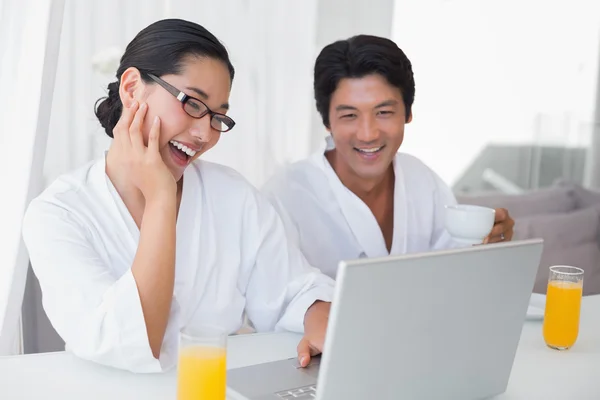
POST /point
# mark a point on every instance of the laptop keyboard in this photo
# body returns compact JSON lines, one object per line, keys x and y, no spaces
{"x":303,"y":393}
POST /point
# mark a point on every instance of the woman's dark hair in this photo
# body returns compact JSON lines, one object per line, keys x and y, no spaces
{"x":160,"y":49}
{"x":358,"y":57}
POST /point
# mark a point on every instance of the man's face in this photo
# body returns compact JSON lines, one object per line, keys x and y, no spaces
{"x":367,"y":118}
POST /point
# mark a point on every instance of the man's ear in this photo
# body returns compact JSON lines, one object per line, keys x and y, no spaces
{"x":328,"y":125}
{"x":409,"y":119}
{"x":131,"y":83}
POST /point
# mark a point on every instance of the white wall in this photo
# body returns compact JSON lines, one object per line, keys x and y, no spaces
{"x":494,"y":72}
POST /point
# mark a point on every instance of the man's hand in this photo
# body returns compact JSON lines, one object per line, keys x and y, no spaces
{"x":503,"y":227}
{"x":315,"y":327}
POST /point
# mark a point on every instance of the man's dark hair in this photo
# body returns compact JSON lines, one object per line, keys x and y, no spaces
{"x":358,"y":57}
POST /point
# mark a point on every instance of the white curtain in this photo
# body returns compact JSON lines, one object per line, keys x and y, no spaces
{"x":94,"y":34}
{"x":272,"y":46}
{"x":29,"y":41}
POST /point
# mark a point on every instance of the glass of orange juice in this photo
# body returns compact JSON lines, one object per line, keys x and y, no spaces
{"x":563,"y":304}
{"x":201,"y":370}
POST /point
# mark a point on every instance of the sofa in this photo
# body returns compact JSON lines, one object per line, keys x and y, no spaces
{"x":566,"y":216}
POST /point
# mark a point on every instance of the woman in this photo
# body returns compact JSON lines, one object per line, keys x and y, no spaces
{"x":147,"y":240}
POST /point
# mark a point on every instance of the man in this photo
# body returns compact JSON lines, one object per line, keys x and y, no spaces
{"x":359,"y":197}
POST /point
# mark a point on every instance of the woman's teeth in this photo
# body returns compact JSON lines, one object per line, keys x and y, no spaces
{"x":183,"y":148}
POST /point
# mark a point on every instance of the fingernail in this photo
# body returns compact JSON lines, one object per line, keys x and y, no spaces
{"x":156,"y":119}
{"x":302,"y":361}
{"x":133,"y":104}
{"x":143,"y":106}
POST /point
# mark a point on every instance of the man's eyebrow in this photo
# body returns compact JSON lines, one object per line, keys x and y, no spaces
{"x":344,"y":107}
{"x":387,"y":103}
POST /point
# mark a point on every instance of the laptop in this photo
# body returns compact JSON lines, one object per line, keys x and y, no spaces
{"x":436,"y":325}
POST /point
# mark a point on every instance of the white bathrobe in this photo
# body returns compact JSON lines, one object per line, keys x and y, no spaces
{"x":231,"y":256}
{"x":330,"y":223}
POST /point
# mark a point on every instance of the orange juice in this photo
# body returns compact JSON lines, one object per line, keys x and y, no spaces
{"x":561,"y":318}
{"x":201,"y":373}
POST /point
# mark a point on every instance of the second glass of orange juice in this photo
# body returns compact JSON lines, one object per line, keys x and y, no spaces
{"x":563,"y":304}
{"x":202,"y":366}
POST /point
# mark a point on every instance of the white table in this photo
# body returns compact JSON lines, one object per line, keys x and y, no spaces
{"x":538,"y":372}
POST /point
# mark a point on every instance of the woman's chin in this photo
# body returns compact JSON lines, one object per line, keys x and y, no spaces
{"x":177,"y":175}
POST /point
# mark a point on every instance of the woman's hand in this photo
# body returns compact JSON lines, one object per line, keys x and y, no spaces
{"x":144,"y":164}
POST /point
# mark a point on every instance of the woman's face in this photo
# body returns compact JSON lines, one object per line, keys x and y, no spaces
{"x":206,"y":79}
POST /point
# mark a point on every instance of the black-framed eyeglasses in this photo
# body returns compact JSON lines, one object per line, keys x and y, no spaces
{"x":196,"y":108}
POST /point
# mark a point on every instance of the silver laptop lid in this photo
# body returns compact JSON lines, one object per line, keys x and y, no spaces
{"x":440,"y":325}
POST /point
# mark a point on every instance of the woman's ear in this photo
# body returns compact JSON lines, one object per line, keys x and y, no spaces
{"x":131,"y":85}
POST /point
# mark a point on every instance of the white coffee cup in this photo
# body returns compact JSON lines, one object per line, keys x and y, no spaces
{"x":469,"y":224}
